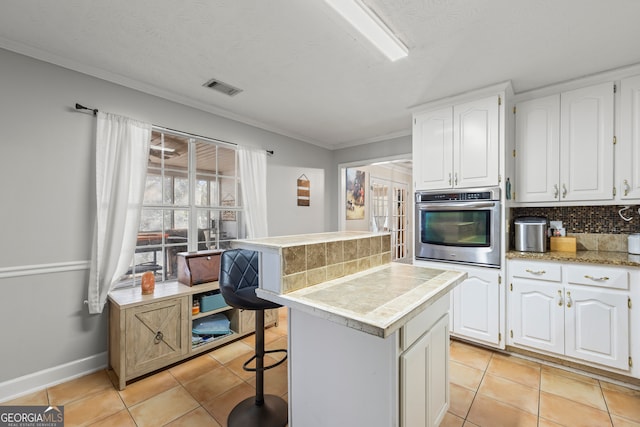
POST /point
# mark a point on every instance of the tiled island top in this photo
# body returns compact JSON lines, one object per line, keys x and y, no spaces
{"x":377,"y":301}
{"x":347,"y":278}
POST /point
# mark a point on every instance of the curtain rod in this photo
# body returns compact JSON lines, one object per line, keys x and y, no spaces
{"x":95,"y":112}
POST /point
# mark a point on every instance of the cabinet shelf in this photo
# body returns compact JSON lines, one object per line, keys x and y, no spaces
{"x":209,"y":313}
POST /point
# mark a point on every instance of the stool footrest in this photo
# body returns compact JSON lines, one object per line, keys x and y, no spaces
{"x":245,"y":366}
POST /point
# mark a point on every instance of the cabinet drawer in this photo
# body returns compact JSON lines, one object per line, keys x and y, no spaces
{"x":536,"y":270}
{"x":591,"y":275}
{"x":420,"y":324}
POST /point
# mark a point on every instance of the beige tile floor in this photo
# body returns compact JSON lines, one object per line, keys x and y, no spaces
{"x":488,"y":389}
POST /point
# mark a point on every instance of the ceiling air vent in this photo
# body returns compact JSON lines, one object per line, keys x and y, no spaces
{"x":222,"y":87}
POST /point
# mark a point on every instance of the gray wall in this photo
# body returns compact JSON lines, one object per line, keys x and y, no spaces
{"x":47,"y":193}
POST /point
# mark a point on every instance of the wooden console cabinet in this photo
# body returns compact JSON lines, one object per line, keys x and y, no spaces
{"x":149,"y":332}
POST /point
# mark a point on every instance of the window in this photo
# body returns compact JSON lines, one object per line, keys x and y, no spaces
{"x":191,"y":202}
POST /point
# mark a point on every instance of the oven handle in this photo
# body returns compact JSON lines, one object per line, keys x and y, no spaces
{"x":455,"y":206}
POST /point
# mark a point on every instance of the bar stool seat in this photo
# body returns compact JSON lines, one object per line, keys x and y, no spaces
{"x":239,"y":280}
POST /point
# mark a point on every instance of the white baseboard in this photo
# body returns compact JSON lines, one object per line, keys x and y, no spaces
{"x":30,"y":383}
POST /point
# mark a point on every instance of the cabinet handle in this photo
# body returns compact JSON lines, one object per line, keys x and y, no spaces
{"x":537,"y":273}
{"x":597,"y":279}
{"x":449,"y":178}
{"x":158,"y":337}
{"x":455,"y":181}
{"x":569,"y":302}
{"x":560,"y":302}
{"x":555,"y":191}
{"x":626,"y":187}
{"x":564,"y":191}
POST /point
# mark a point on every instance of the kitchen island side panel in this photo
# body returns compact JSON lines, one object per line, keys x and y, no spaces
{"x":340,"y":376}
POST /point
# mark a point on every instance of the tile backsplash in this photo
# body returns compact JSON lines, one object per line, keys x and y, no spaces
{"x":307,"y":265}
{"x":596,"y":228}
{"x":586,"y":219}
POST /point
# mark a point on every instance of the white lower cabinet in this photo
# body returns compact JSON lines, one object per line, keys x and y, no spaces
{"x":477,"y":308}
{"x":424,"y":377}
{"x":580,"y":312}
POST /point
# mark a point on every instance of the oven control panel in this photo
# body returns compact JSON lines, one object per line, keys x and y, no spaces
{"x":483,"y":194}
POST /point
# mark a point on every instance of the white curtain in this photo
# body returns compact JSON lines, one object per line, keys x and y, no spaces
{"x":122,"y":150}
{"x":253,"y":178}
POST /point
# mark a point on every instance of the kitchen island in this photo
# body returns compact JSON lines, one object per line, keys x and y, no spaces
{"x":368,"y":338}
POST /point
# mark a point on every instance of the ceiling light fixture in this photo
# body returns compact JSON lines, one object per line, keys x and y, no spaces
{"x":371,"y":26}
{"x":163,"y":149}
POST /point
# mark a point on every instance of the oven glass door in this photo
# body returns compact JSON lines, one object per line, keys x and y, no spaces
{"x":456,"y":228}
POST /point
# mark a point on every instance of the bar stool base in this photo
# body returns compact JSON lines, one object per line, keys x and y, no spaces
{"x":274,"y":412}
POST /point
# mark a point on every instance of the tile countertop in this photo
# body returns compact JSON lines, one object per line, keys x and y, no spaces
{"x":377,"y":301}
{"x":586,"y":257}
{"x":306,"y":239}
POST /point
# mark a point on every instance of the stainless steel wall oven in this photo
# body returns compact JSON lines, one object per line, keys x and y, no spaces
{"x":461,"y":226}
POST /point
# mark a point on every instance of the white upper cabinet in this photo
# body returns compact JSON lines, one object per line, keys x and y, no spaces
{"x":476,"y":143}
{"x":432,"y":149}
{"x":586,"y":147}
{"x":458,"y":146}
{"x":538,"y":149}
{"x":628,"y":144}
{"x":564,"y":146}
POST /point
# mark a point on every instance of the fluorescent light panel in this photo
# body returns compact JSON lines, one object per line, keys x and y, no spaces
{"x":371,"y":26}
{"x":163,"y":149}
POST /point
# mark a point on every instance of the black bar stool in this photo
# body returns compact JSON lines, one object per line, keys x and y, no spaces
{"x":238,"y":283}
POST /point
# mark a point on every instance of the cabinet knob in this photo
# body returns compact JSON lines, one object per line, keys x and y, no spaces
{"x":159,"y":336}
{"x":569,"y":302}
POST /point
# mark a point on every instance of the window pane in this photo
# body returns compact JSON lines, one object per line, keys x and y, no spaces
{"x":206,"y":158}
{"x":202,"y":192}
{"x":181,"y":190}
{"x":228,"y":193}
{"x":150,"y":220}
{"x":153,"y":189}
{"x":226,"y":161}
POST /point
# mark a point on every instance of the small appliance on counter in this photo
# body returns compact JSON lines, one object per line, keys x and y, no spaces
{"x":531,"y":234}
{"x":633,"y":242}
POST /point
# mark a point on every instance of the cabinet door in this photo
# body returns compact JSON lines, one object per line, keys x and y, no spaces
{"x":538,"y":150}
{"x":156,"y":335}
{"x":536,"y":317}
{"x":432,"y":149}
{"x":586,"y":147}
{"x":597,"y":326}
{"x":425,"y":378}
{"x":628,"y":144}
{"x":476,"y":307}
{"x":476,"y":143}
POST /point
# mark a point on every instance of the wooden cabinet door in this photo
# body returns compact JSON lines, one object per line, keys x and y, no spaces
{"x":537,"y":315}
{"x":586,"y":143}
{"x":597,"y":326}
{"x":424,"y":372}
{"x":476,"y":143}
{"x":538,"y":150}
{"x":156,"y":335}
{"x":476,"y":307}
{"x":432,"y":149}
{"x":628,"y":140}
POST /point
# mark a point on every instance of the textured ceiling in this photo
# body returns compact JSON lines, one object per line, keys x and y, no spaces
{"x":304,"y":72}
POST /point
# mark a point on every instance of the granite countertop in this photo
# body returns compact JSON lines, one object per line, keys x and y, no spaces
{"x":377,"y":301}
{"x":586,"y":257}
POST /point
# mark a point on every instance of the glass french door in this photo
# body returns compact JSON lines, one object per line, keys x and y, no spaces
{"x":389,"y":213}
